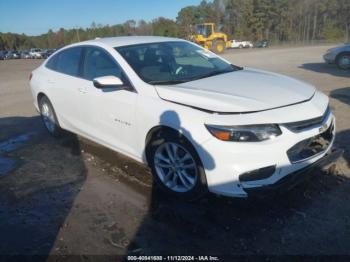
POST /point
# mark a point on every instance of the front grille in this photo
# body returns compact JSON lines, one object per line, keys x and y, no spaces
{"x":310,"y":123}
{"x":311,"y":147}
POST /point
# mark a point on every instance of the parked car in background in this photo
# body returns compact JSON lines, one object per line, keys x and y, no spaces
{"x":8,"y":55}
{"x":25,"y":54}
{"x":198,"y":121}
{"x":44,"y":53}
{"x":338,"y":55}
{"x":3,"y":55}
{"x":36,"y":53}
{"x":262,"y":44}
{"x":12,"y":55}
{"x":240,"y":44}
{"x":248,"y":44}
{"x":48,"y":52}
{"x":16,"y":55}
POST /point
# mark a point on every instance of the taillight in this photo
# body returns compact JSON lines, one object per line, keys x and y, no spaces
{"x":30,"y":76}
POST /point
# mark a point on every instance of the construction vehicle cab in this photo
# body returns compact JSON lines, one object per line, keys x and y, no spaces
{"x":206,"y":36}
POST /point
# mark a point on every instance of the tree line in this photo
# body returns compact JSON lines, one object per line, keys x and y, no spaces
{"x":275,"y":20}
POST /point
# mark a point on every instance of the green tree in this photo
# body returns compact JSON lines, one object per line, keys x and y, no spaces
{"x":276,"y":20}
{"x":164,"y":27}
{"x":186,"y":18}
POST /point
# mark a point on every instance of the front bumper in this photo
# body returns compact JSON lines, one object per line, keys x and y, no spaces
{"x":329,"y":58}
{"x":232,"y":159}
{"x":295,"y":178}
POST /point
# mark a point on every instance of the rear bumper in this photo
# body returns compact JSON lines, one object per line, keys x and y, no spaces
{"x":293,"y":179}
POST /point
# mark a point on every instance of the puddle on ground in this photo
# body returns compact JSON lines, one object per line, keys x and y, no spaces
{"x":125,"y":169}
{"x":14,"y":143}
{"x":7,"y":165}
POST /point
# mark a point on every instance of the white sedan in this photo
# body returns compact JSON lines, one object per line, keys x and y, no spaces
{"x":198,"y":121}
{"x":241,"y":44}
{"x":339,"y":55}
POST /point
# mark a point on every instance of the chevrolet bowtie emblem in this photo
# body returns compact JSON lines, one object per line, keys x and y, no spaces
{"x":323,"y":128}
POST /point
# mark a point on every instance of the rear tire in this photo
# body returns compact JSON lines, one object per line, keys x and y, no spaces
{"x":219,"y":46}
{"x":343,"y":61}
{"x":175,"y":165}
{"x":49,"y":117}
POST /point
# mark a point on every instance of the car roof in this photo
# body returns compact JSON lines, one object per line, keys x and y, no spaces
{"x":129,"y":40}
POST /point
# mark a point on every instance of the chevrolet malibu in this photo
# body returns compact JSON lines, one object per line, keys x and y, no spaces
{"x":199,"y":122}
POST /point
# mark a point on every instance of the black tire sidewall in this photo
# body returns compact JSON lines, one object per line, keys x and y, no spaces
{"x":338,"y":59}
{"x":201,"y":185}
{"x":217,"y":42}
{"x":57,"y":129}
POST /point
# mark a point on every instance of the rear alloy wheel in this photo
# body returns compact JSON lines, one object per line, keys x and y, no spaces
{"x":343,"y":61}
{"x":176,"y":167}
{"x":49,"y":118}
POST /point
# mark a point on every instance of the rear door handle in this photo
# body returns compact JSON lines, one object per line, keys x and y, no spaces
{"x":50,"y":81}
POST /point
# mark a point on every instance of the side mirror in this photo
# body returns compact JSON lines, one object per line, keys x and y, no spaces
{"x":108,"y":82}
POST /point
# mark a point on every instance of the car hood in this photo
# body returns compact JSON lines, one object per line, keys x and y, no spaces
{"x":247,"y":90}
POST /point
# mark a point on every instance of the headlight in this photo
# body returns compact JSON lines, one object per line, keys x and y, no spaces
{"x":248,"y":133}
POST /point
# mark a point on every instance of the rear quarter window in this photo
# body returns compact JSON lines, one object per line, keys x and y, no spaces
{"x":52,"y":62}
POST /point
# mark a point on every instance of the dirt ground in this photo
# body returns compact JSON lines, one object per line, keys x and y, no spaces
{"x":72,"y":197}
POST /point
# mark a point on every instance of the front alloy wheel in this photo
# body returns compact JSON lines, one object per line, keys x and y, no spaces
{"x":175,"y":167}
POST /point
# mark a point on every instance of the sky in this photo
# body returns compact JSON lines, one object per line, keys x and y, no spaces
{"x":34,"y":17}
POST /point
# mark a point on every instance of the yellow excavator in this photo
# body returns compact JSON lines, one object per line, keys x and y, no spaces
{"x":206,"y":36}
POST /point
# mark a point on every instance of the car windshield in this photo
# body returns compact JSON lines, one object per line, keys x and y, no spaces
{"x":173,"y":62}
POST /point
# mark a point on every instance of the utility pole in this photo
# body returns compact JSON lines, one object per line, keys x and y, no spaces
{"x":77,"y":32}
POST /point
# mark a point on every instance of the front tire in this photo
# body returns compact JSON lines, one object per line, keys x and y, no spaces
{"x":49,"y":117}
{"x":343,"y":61}
{"x":175,"y":166}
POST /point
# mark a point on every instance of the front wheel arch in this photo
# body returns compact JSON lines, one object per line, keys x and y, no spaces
{"x":155,"y":138}
{"x":153,"y":132}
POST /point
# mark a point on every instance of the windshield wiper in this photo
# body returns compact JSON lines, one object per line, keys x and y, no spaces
{"x":236,"y":68}
{"x":167,"y":82}
{"x":214,"y":73}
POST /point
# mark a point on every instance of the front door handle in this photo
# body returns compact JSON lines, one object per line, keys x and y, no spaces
{"x":82,"y":90}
